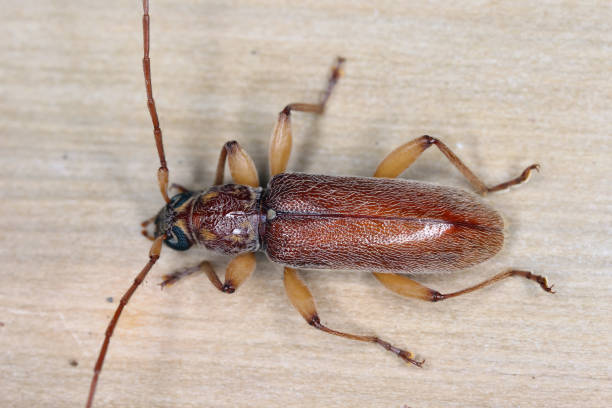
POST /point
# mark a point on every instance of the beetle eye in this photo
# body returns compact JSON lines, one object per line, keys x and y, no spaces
{"x":179,"y":199}
{"x":177,"y":239}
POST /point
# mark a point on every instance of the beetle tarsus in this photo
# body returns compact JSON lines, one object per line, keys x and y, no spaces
{"x":413,"y":361}
{"x":168,"y":280}
{"x":542,"y":281}
{"x":405,"y":355}
{"x":337,"y":71}
{"x":527,"y":172}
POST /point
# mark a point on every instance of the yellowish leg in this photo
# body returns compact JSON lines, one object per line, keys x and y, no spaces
{"x":407,"y":287}
{"x":240,"y":164}
{"x":399,"y":160}
{"x":237,"y":272}
{"x":181,"y":189}
{"x":302,"y":300}
{"x":281,"y":140}
{"x":239,"y":269}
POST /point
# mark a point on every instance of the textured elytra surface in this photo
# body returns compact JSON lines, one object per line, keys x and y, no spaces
{"x":505,"y":84}
{"x":377,"y":224}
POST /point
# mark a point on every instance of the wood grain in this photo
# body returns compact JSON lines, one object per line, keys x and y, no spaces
{"x":503,"y":83}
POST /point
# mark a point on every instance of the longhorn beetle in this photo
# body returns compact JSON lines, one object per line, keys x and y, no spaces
{"x":379,"y":224}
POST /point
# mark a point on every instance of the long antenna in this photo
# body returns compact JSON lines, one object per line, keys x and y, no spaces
{"x":162,"y":173}
{"x":162,"y":178}
{"x":153,"y":257}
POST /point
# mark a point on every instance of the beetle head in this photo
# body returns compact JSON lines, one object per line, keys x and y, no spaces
{"x":172,"y":221}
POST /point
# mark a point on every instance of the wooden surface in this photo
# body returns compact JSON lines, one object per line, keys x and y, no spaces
{"x":504,"y":84}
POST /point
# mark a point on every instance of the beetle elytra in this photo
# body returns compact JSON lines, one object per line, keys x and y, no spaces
{"x":379,"y":224}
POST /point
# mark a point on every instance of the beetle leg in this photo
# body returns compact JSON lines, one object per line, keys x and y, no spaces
{"x":395,"y":163}
{"x":302,"y":300}
{"x":281,"y":140}
{"x":238,"y":270}
{"x":407,"y":287}
{"x":241,"y":165}
{"x":178,"y":188}
{"x":401,"y":158}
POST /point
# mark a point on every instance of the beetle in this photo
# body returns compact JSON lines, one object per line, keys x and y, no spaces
{"x":381,"y":224}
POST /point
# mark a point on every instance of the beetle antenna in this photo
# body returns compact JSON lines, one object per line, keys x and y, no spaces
{"x":162,"y":173}
{"x":153,"y":257}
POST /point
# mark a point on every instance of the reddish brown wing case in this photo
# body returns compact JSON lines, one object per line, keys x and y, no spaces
{"x":325,"y":222}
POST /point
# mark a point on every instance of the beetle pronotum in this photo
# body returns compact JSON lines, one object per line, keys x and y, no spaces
{"x":380,"y":224}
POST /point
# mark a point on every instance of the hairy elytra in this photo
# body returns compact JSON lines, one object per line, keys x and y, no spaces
{"x":381,"y":225}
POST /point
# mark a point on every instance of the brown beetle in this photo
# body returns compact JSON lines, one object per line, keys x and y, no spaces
{"x":383,"y":225}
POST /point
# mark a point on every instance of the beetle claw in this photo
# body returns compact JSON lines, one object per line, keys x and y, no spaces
{"x":168,"y":280}
{"x":409,"y":358}
{"x":544,"y":285}
{"x":417,"y":363}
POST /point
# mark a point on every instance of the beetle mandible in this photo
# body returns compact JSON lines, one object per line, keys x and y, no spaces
{"x":379,"y":224}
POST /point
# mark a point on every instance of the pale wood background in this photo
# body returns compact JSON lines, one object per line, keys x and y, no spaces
{"x":503,"y":83}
